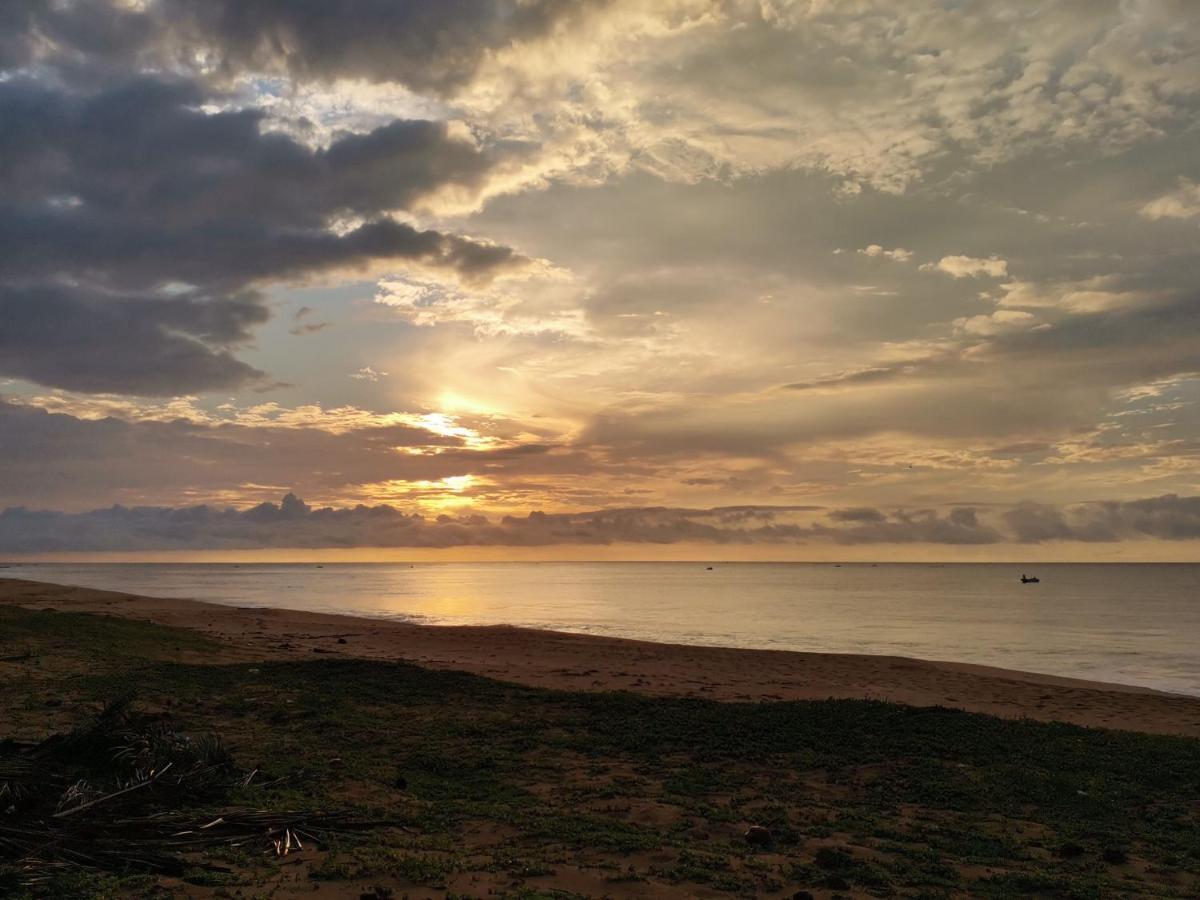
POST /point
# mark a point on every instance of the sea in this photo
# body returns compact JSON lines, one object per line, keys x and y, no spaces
{"x":1133,"y":624}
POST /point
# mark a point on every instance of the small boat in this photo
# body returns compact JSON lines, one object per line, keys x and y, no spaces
{"x":1027,"y":580}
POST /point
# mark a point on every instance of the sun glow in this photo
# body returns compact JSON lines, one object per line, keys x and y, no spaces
{"x":440,"y":495}
{"x":457,"y":483}
{"x":456,"y":403}
{"x":446,"y":425}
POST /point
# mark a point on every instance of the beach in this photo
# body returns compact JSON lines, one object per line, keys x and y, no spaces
{"x":1122,"y":624}
{"x":171,"y":748}
{"x":590,"y":663}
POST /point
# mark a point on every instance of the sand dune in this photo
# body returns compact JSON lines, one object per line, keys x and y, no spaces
{"x":589,"y":663}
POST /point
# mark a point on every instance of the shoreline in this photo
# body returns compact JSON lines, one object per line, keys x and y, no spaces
{"x":582,"y":662}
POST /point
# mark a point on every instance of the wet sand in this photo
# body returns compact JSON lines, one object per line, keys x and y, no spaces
{"x":589,"y":663}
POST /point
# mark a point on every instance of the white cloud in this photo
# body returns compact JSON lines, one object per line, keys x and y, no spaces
{"x":898,"y":254}
{"x":968,"y":266}
{"x":335,"y":420}
{"x":1002,"y":321}
{"x":541,"y":302}
{"x":1100,"y":293}
{"x":873,"y":92}
{"x":1181,"y":203}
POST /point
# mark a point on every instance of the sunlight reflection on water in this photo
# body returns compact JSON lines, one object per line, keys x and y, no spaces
{"x":1135,"y":624}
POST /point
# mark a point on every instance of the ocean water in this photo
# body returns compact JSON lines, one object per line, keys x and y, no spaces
{"x":1132,"y":624}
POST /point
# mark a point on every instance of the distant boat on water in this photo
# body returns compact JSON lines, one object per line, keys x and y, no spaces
{"x":1025,"y":579}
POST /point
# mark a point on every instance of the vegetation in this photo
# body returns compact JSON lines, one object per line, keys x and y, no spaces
{"x":490,"y":789}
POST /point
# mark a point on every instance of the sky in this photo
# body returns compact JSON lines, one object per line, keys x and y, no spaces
{"x":748,"y":279}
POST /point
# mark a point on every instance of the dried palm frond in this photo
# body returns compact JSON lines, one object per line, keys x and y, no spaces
{"x":107,"y":796}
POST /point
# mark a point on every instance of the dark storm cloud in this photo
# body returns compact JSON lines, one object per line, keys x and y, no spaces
{"x":132,"y":188}
{"x":100,"y":342}
{"x":226,"y":254}
{"x":428,"y":46}
{"x":142,"y":150}
{"x":1035,"y":523}
{"x":870,"y":526}
{"x":295,"y":524}
{"x":73,"y":32}
{"x":1169,"y":517}
{"x":16,"y":27}
{"x":143,"y":147}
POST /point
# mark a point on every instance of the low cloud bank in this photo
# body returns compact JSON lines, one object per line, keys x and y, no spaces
{"x":294,"y":524}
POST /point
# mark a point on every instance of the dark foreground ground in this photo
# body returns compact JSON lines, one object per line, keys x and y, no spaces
{"x":397,"y":781}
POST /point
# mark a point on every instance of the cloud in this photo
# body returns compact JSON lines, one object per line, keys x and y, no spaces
{"x":691,"y":89}
{"x":1098,"y":294}
{"x":864,"y":376}
{"x":366,"y":373}
{"x":427,"y":46}
{"x":969,"y":267}
{"x":999,"y":322}
{"x":961,"y":525}
{"x":898,"y":254}
{"x":876,"y":93}
{"x":1169,"y":517}
{"x":292,"y":523}
{"x":136,"y":227}
{"x":149,"y":147}
{"x":76,"y":450}
{"x":695,"y":89}
{"x":16,"y":31}
{"x":174,"y":171}
{"x":1013,"y":383}
{"x":535,"y":301}
{"x":309,"y":328}
{"x":98,"y":341}
{"x":1182,"y":203}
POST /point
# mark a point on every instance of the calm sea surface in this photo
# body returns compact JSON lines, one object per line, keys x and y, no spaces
{"x":1135,"y":624}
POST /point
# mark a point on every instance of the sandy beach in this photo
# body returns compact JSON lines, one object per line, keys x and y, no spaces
{"x":589,"y":663}
{"x":167,"y":747}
